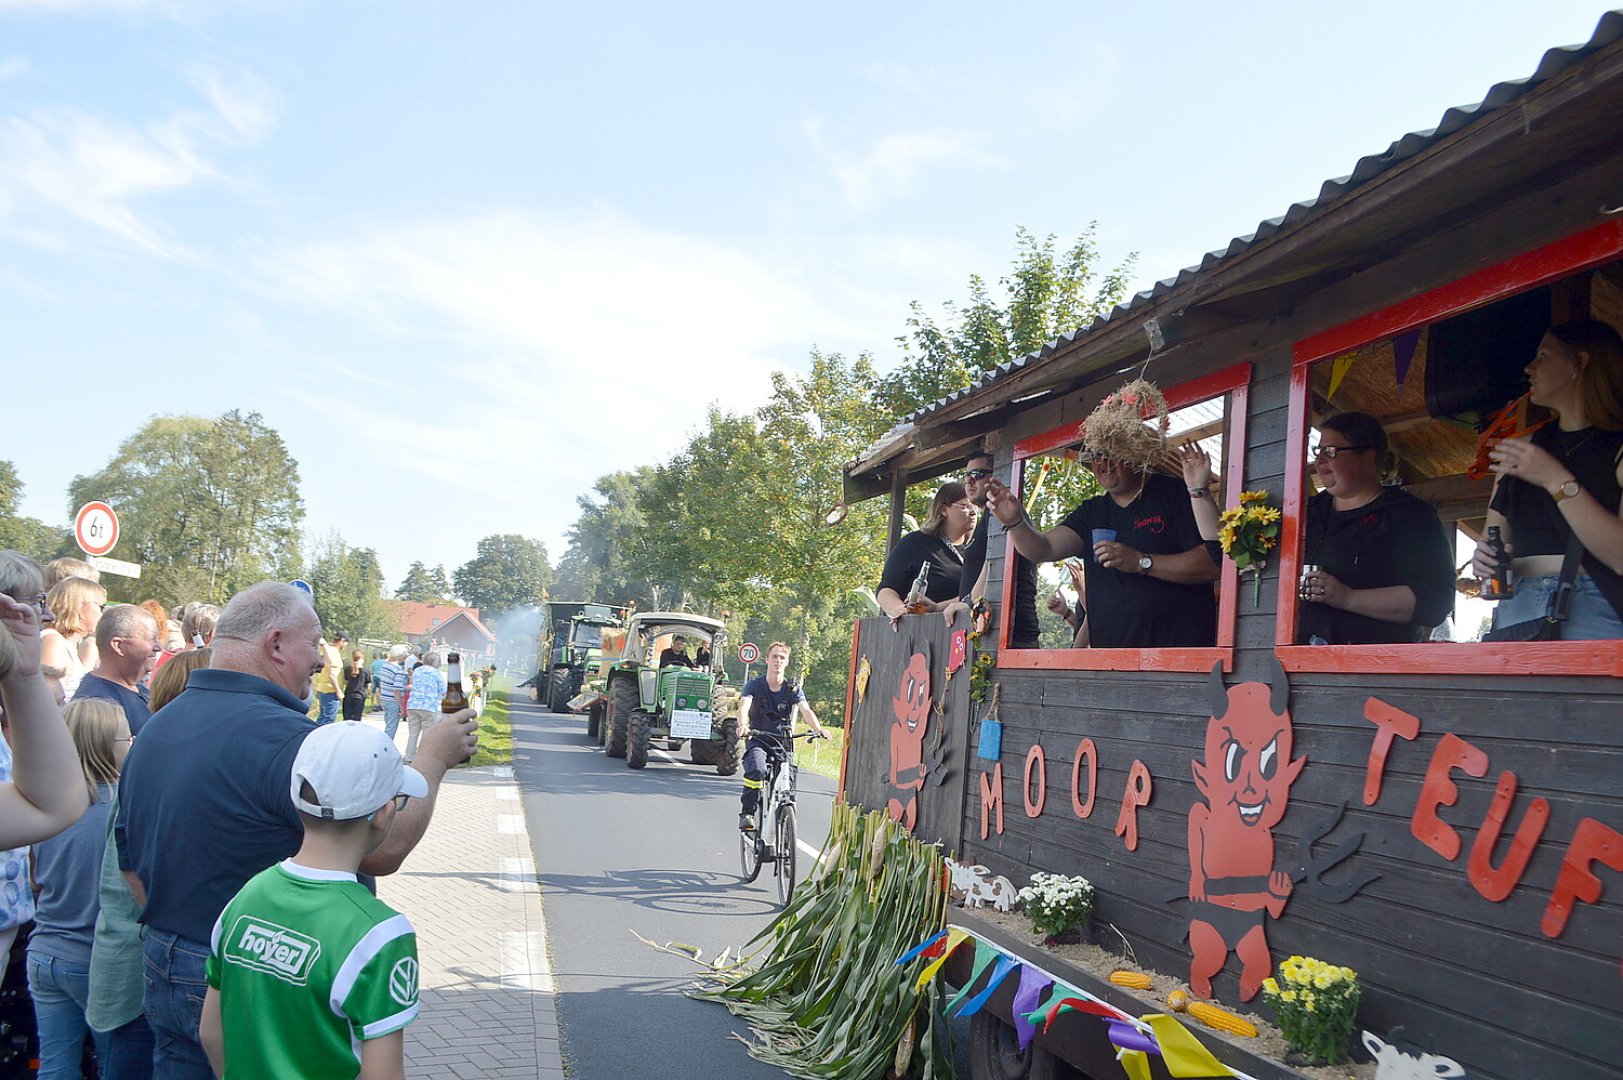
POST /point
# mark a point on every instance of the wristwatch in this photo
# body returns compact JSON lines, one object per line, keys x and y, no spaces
{"x":1144,"y":564}
{"x":1566,"y":490}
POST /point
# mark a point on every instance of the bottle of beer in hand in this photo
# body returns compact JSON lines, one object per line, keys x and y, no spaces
{"x":917,"y":600}
{"x":1500,"y":586}
{"x":455,"y":700}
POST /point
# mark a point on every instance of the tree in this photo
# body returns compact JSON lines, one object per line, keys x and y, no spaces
{"x":28,"y":535}
{"x":348,"y":587}
{"x":425,"y":586}
{"x":509,"y":571}
{"x":606,"y":558}
{"x":1047,"y":294}
{"x":206,"y":506}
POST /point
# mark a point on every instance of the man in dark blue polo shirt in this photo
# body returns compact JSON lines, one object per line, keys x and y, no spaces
{"x":127,"y":646}
{"x":204,"y":803}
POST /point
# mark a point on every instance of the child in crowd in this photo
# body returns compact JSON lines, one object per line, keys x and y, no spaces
{"x":67,"y":870}
{"x":310,"y":974}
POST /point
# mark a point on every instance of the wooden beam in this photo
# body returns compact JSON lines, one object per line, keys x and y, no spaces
{"x":898,"y":503}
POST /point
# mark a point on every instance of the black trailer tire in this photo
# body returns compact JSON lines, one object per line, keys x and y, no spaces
{"x":730,"y":752}
{"x":622,"y":703}
{"x":558,"y":694}
{"x":994,"y":1054}
{"x":703,"y":751}
{"x":638,"y":741}
{"x":594,"y":722}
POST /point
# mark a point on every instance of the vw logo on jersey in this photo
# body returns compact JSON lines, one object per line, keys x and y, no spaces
{"x":403,"y":980}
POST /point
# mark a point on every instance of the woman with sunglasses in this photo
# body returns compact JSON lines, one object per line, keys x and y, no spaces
{"x":1382,"y":569}
{"x":1567,"y":478}
{"x":937,"y":547}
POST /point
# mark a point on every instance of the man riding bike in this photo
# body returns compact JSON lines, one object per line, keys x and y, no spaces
{"x":768,"y":706}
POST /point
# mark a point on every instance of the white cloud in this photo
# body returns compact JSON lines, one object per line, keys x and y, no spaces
{"x":891,"y":164}
{"x":67,"y":165}
{"x":13,"y":66}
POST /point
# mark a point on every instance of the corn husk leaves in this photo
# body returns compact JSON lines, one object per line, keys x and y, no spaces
{"x":828,"y":1000}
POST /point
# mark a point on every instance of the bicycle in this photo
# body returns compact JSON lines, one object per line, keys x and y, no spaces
{"x":776,"y":805}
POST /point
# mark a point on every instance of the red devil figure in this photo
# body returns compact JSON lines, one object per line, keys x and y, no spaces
{"x":1246,"y":779}
{"x":912,"y":708}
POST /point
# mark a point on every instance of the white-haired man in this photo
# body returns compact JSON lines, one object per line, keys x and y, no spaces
{"x":204,"y":802}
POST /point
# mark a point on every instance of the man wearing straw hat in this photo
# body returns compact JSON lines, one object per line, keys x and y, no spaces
{"x":1148,"y":575}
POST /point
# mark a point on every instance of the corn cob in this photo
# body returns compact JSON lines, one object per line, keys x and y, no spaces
{"x":1137,"y":980}
{"x":1178,"y":1000}
{"x":1220,"y":1019}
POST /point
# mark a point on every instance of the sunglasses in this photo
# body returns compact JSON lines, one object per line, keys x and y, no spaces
{"x":1331,"y":452}
{"x":977,"y":474}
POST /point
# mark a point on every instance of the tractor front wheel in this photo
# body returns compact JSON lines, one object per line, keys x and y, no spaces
{"x":594,"y":723}
{"x":558,"y":694}
{"x":729,"y":751}
{"x":639,"y":739}
{"x":623,"y":702}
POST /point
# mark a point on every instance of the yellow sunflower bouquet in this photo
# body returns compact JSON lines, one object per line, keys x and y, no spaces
{"x":1248,"y":532}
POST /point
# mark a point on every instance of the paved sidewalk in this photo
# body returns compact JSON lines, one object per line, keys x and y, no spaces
{"x":470,"y":890}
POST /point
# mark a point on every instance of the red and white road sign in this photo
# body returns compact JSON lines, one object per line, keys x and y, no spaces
{"x":749,"y":652}
{"x":95,"y":527}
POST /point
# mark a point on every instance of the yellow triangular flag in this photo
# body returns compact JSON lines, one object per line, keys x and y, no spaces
{"x":954,"y":936}
{"x":1182,"y":1053}
{"x":1135,"y":1063}
{"x":1338,"y":371}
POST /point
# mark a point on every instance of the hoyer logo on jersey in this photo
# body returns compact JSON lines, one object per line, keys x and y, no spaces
{"x":275,"y":950}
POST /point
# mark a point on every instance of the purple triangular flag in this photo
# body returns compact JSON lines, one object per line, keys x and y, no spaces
{"x":1403,"y":348}
{"x":1032,"y":985}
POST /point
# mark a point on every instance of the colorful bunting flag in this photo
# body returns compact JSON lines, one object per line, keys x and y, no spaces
{"x":1338,"y":371}
{"x":933,"y":946}
{"x":954,"y":937}
{"x":1033,"y":983}
{"x":1181,"y":1051}
{"x":1136,"y":1063}
{"x":1403,"y":350}
{"x":1005,"y":964}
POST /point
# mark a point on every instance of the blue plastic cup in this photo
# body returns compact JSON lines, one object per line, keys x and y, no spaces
{"x":1101,"y":535}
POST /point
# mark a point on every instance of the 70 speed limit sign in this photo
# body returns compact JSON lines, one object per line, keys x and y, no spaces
{"x":749,"y":652}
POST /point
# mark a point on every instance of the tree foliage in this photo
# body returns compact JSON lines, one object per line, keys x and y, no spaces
{"x":206,"y":506}
{"x":28,"y":535}
{"x":348,"y":587}
{"x":509,"y":571}
{"x":425,"y":586}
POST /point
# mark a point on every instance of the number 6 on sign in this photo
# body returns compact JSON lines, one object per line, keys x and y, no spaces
{"x":95,"y":527}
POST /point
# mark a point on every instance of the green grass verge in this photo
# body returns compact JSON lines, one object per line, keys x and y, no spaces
{"x":822,"y":756}
{"x":495,"y":728}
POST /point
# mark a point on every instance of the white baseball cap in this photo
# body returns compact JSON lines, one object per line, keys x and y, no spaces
{"x":353,"y":770}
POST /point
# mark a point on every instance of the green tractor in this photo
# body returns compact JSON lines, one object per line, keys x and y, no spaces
{"x":571,"y":638}
{"x":639,"y":703}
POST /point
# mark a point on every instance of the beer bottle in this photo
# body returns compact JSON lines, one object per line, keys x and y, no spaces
{"x":917,"y":600}
{"x":455,"y":700}
{"x":1500,"y":586}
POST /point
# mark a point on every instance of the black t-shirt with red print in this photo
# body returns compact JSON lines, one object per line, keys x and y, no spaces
{"x":1128,"y":609}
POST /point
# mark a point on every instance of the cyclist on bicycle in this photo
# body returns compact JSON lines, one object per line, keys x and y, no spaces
{"x":768,"y":707}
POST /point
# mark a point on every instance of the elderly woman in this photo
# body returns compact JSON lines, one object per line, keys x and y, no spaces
{"x":392,"y":688}
{"x":425,"y":686}
{"x":1567,"y":478}
{"x":77,"y":604}
{"x":1384,"y":568}
{"x":937,"y":547}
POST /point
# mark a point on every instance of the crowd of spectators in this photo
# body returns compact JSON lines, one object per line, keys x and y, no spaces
{"x":147,"y":774}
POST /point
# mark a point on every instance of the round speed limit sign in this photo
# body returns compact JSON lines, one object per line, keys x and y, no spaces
{"x":749,"y":652}
{"x":95,"y":527}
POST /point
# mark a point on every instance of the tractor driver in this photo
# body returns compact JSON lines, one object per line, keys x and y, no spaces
{"x":768,"y":707}
{"x":677,"y":654}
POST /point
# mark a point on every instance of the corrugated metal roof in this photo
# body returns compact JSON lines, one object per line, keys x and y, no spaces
{"x":1501,"y":95}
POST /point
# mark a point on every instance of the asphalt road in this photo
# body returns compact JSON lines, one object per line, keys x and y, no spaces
{"x":655,"y":852}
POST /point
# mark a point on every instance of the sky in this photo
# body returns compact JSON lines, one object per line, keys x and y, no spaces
{"x":467,"y":258}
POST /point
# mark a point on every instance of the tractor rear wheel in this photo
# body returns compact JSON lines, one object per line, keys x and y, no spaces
{"x":729,"y":752}
{"x":638,"y":741}
{"x":558,"y":694}
{"x":622,"y":703}
{"x":703,"y":751}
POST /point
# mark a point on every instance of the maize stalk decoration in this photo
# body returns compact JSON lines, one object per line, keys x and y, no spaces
{"x":828,"y":1000}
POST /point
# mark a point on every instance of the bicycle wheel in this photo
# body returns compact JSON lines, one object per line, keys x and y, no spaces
{"x":749,"y":847}
{"x":786,"y":854}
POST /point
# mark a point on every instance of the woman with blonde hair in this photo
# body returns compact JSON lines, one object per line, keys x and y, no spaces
{"x":356,"y":680}
{"x":67,"y":874}
{"x":77,"y":605}
{"x":169,"y":680}
{"x":937,"y":548}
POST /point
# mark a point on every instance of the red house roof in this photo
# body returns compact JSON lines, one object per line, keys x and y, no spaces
{"x":416,"y":619}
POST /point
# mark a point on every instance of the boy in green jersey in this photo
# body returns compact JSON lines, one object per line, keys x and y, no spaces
{"x":310,"y":975}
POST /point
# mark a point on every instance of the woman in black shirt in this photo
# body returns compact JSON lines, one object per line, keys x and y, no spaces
{"x":1566,"y":478}
{"x":938,"y":544}
{"x":1385,"y":568}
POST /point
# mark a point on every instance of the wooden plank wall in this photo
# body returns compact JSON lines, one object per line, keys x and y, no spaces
{"x":874,"y":726}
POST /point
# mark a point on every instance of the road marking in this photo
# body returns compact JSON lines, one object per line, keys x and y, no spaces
{"x":510,"y":824}
{"x":502,"y":772}
{"x":663,"y":754}
{"x":507,"y":793}
{"x":518,"y":875}
{"x":524,"y":961}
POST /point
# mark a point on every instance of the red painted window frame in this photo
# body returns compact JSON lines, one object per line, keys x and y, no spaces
{"x":1574,"y":254}
{"x":1233,"y":381}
